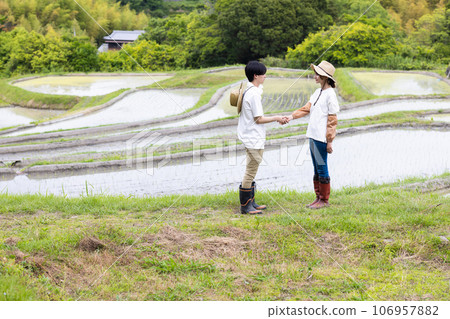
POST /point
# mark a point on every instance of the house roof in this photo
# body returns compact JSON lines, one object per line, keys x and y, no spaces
{"x":119,"y":35}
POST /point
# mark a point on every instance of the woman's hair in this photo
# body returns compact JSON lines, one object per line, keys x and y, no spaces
{"x":254,"y":68}
{"x":329,"y":81}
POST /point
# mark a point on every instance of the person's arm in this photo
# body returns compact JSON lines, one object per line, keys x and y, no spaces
{"x":269,"y":119}
{"x":301,"y":112}
{"x":331,"y":131}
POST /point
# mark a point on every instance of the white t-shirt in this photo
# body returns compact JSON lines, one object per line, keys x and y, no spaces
{"x":327,"y":104}
{"x":251,"y":134}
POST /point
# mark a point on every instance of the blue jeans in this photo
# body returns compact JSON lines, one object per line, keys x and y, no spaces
{"x":319,"y":157}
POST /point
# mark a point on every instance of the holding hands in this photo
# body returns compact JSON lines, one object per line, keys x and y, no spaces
{"x":284,"y":119}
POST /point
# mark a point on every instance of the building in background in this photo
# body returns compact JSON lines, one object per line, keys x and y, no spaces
{"x":118,"y":38}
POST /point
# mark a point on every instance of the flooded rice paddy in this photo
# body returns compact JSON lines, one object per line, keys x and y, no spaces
{"x":382,"y":83}
{"x":377,"y":157}
{"x":439,"y":118}
{"x":270,"y":72}
{"x":88,"y":85}
{"x":279,"y":95}
{"x":230,"y":130}
{"x":221,"y":111}
{"x":15,"y":115}
{"x":135,"y":107}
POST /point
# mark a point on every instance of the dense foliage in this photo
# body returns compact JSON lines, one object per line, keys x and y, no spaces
{"x":90,"y":18}
{"x":30,"y":52}
{"x":374,"y":42}
{"x":359,"y":45}
{"x":60,"y":35}
{"x":253,"y":29}
{"x":161,"y":8}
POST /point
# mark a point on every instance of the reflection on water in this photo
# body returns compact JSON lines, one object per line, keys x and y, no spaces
{"x":15,"y":115}
{"x":380,"y":83}
{"x":87,"y":85}
{"x":378,"y":157}
{"x":138,"y":106}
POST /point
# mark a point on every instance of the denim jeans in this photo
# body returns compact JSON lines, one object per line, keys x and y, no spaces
{"x":319,"y":157}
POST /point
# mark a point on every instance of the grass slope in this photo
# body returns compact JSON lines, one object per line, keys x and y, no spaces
{"x":18,"y":96}
{"x":373,"y":243}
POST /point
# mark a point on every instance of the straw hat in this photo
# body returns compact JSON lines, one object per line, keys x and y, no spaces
{"x":325,"y":69}
{"x":236,"y":97}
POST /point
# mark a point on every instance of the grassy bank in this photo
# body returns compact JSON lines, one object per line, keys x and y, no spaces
{"x":374,"y":242}
{"x":350,"y":89}
{"x":3,"y":103}
{"x":197,"y":79}
{"x":18,"y":96}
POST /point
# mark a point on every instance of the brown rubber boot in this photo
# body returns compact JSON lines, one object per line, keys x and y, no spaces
{"x":245,"y":196}
{"x":316,"y":190}
{"x":324,"y":193}
{"x":256,"y":206}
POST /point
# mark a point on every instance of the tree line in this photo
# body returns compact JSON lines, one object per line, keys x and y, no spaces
{"x":48,"y":35}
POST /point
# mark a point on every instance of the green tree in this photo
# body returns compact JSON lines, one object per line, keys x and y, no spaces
{"x":196,"y":35}
{"x":203,"y":41}
{"x":143,"y":54}
{"x":433,"y":31}
{"x":82,"y":55}
{"x":102,"y":18}
{"x":144,"y":5}
{"x":359,"y":46}
{"x":253,"y":29}
{"x":30,"y":52}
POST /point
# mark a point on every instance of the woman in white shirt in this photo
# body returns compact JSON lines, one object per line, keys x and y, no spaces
{"x":322,"y":107}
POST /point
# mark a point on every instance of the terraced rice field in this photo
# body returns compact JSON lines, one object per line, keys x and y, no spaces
{"x":77,"y":156}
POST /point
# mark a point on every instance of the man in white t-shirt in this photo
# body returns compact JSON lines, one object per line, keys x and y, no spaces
{"x":252,"y":133}
{"x":322,"y":107}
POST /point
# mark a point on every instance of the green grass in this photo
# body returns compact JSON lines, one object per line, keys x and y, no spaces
{"x":18,"y":96}
{"x":197,"y":79}
{"x":181,"y":79}
{"x":201,"y":248}
{"x":3,"y":103}
{"x":90,"y":101}
{"x":349,"y":89}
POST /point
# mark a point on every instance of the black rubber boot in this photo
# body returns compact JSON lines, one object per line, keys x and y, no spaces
{"x":245,"y":196}
{"x":256,"y":206}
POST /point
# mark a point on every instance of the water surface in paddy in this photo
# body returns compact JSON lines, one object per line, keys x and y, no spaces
{"x":375,"y":109}
{"x":378,"y":157}
{"x":231,"y":130}
{"x":439,"y":118}
{"x":88,"y":85}
{"x":270,"y":72}
{"x":273,"y":100}
{"x":138,"y":106}
{"x":381,"y":83}
{"x":15,"y":115}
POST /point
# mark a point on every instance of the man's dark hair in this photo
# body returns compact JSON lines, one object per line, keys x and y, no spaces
{"x":254,"y":68}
